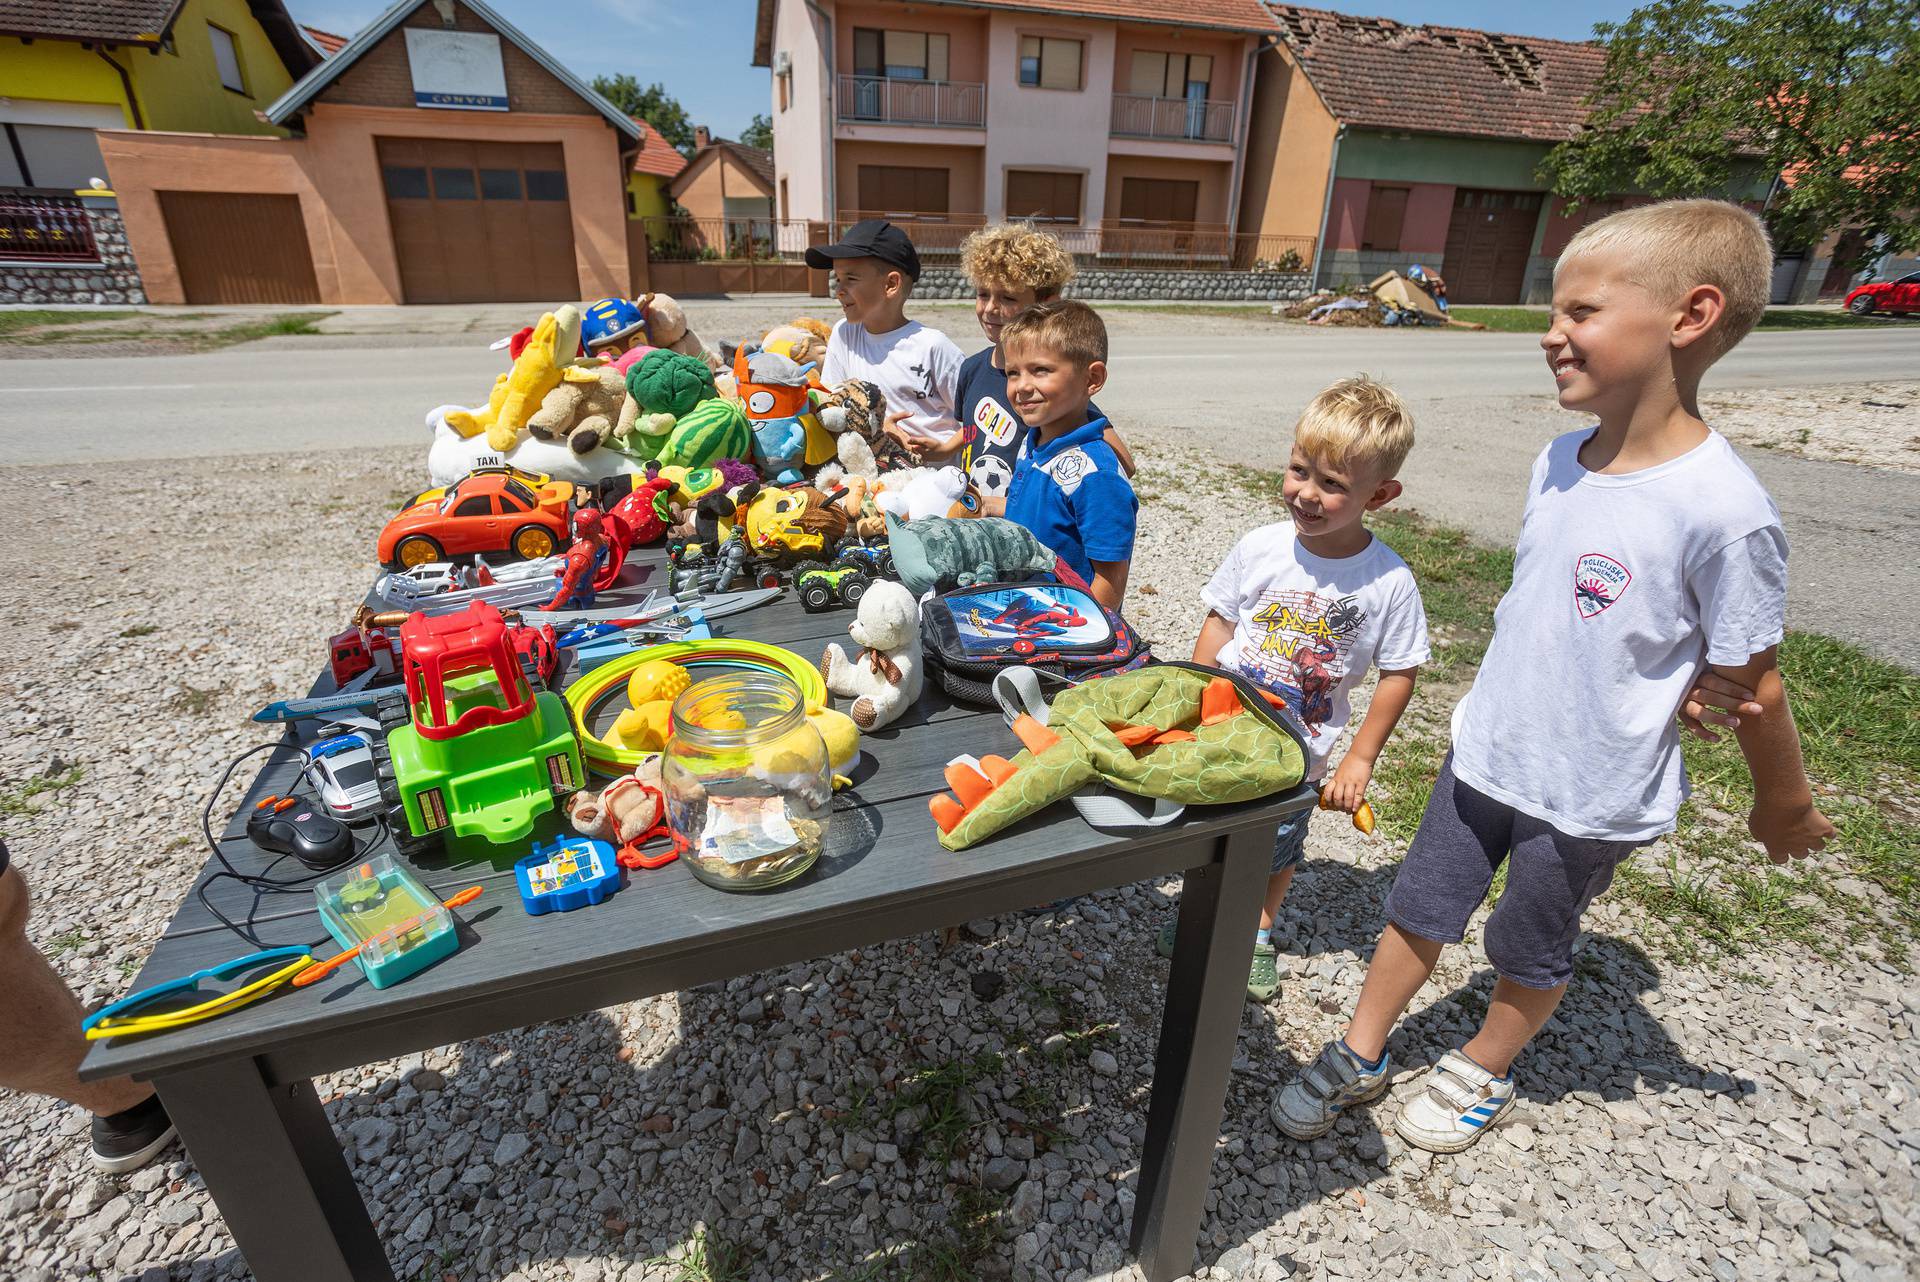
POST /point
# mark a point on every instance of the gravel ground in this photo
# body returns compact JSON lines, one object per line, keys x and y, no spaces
{"x":1875,"y":424}
{"x":1758,"y":1120}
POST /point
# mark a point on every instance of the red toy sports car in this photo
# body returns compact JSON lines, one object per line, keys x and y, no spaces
{"x":1901,"y":295}
{"x":488,"y":513}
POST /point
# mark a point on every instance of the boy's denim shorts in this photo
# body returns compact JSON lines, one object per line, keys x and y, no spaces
{"x":1290,"y":840}
{"x":1464,"y":837}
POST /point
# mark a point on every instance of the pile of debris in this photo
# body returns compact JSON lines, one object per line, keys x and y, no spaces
{"x":1390,"y":299}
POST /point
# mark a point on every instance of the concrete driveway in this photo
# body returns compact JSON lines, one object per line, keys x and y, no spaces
{"x":1230,"y":385}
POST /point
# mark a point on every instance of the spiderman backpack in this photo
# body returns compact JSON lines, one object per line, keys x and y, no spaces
{"x":1051,"y":624}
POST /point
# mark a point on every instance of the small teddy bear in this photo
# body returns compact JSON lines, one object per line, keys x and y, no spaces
{"x":582,"y":414}
{"x":626,"y":810}
{"x":884,"y":678}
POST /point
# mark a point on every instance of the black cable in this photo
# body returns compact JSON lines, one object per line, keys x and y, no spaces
{"x":262,"y":883}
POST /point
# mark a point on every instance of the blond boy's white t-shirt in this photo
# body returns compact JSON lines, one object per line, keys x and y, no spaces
{"x":1624,"y":588}
{"x":916,"y":368}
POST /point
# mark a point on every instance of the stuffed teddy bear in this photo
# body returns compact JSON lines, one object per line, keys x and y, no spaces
{"x":940,"y":552}
{"x":855,"y":414}
{"x":667,"y":327}
{"x":581,"y":414}
{"x":884,"y":678}
{"x":625,"y":810}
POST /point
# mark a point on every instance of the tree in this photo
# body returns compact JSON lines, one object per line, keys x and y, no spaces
{"x":653,"y":104}
{"x":1824,"y":95}
{"x":759,"y":133}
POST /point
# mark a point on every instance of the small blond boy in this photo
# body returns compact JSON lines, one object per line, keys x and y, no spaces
{"x":1304,"y":607}
{"x":1649,"y":551}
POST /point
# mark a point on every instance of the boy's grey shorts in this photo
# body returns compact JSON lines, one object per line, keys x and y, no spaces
{"x":1464,"y":837}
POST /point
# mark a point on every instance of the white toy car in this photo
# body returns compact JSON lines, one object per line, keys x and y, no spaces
{"x":341,"y":771}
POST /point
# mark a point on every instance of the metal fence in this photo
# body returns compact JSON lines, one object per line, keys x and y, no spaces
{"x":1115,"y":244}
{"x":883,"y":100}
{"x":42,"y":228}
{"x":706,"y":240}
{"x":1190,"y":119}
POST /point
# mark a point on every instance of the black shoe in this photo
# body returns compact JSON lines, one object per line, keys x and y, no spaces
{"x":128,"y":1140}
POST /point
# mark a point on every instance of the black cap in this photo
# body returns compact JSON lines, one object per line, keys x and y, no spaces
{"x":873,"y":238}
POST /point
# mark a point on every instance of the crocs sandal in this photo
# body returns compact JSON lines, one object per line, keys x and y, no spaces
{"x":1164,"y":941}
{"x":1263,"y":979}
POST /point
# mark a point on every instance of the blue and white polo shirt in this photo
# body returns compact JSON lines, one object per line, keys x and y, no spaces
{"x":1074,"y":496}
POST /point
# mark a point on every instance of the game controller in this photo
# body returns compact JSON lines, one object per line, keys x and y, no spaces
{"x":290,"y":826}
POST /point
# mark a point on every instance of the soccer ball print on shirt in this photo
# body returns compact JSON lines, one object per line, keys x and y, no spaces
{"x":1598,"y":581}
{"x":1302,"y":653}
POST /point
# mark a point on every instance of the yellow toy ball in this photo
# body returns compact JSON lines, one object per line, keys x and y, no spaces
{"x":660,"y":679}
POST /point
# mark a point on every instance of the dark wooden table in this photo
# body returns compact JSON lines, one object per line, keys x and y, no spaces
{"x":240,"y":1087}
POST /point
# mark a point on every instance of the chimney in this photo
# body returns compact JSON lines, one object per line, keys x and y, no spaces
{"x":701,"y":137}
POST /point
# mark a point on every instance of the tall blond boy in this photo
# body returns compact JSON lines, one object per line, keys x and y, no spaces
{"x":1648,"y":551}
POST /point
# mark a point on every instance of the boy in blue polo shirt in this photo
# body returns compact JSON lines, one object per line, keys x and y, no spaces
{"x":1068,"y":487}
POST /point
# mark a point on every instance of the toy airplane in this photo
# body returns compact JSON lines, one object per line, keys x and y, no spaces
{"x":404,"y":592}
{"x":604,"y":643}
{"x":715,"y":605}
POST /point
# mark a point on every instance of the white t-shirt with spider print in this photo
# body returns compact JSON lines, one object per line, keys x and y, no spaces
{"x":1307,"y":627}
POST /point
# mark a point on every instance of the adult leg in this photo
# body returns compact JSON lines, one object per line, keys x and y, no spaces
{"x":41,"y":1044}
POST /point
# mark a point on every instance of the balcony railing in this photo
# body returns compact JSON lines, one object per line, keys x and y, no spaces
{"x":706,"y":240}
{"x":883,"y":100}
{"x":37,"y":228}
{"x":1174,"y":119}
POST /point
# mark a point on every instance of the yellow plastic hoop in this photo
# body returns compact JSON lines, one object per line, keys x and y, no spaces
{"x":606,"y":759}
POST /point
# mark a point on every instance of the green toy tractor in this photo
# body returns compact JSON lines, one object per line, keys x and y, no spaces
{"x":478,"y":752}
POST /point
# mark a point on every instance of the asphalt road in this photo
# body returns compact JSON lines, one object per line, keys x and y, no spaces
{"x":1482,"y":401}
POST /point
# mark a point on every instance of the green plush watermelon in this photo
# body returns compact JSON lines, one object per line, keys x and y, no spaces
{"x":714,"y":429}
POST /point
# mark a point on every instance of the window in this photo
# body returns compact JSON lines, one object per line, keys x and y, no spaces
{"x":454,"y":184}
{"x":478,"y":505}
{"x":500,"y":184}
{"x":1158,"y":200}
{"x":518,"y":498}
{"x":785,"y":213}
{"x":546,"y":184}
{"x":900,"y":55}
{"x":226,"y":57}
{"x":49,"y":156}
{"x":1171,"y":75}
{"x":405,"y":182}
{"x":1049,"y":63}
{"x":1042,"y":196}
{"x":1386,"y":210}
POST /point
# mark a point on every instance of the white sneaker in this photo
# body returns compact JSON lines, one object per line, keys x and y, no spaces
{"x":1307,"y":1107}
{"x":1457,"y":1103}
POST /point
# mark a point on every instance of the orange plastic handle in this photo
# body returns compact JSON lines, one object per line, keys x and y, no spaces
{"x":320,"y":970}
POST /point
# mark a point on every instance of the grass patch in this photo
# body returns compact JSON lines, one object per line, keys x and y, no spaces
{"x":140,"y":630}
{"x":1505,"y":320}
{"x":65,"y":942}
{"x":196,"y":702}
{"x":707,"y":1258}
{"x":14,"y":321}
{"x":290,"y":323}
{"x":19,"y":801}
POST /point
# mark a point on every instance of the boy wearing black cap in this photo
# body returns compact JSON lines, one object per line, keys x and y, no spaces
{"x":874,"y":267}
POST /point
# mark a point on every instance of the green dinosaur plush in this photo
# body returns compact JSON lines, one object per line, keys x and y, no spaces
{"x":1174,"y":731}
{"x":943,"y":552}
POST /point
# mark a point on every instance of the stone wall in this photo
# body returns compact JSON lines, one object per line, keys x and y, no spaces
{"x":1098,"y":284}
{"x":1342,"y":269}
{"x":114,"y":279}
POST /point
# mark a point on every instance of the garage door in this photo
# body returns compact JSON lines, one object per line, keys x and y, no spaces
{"x":1488,"y":242}
{"x":234,"y":248}
{"x":479,"y":222}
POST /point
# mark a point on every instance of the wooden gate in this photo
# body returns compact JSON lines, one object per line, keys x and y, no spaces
{"x":688,"y":256}
{"x":1488,"y":242}
{"x":232,"y":247}
{"x":479,"y":222}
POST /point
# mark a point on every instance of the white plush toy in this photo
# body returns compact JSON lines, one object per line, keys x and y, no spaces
{"x":925,"y":491}
{"x":452,"y":455}
{"x":884,"y":678}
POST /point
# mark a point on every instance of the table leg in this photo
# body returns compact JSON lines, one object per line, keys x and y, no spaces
{"x":274,"y":1167}
{"x":1219,"y":912}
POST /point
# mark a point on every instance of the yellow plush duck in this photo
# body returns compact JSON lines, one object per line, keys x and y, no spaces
{"x":542,"y":364}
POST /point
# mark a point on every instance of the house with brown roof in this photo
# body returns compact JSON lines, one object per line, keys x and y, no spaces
{"x":655,"y":165}
{"x":725,"y":180}
{"x":1085,"y":114}
{"x":1395,"y":144}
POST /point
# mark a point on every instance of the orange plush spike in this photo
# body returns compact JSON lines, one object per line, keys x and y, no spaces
{"x":968,"y":784}
{"x":1220,"y":701}
{"x":998,"y":769}
{"x":1133,"y":736}
{"x":1174,"y":736}
{"x":1035,"y":736}
{"x":947,"y":813}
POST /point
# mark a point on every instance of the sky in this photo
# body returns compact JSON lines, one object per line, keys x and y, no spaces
{"x":702,"y":50}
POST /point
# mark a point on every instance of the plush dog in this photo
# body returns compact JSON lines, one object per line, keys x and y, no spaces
{"x":622,"y":811}
{"x":884,"y":678}
{"x":581,"y":414}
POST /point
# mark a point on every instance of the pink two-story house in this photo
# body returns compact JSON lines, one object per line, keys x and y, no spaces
{"x":1092,"y":114}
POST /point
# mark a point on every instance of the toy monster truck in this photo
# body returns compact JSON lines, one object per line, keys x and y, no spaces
{"x":478,"y":752}
{"x":822,"y":589}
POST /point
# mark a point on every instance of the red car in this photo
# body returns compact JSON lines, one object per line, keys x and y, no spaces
{"x":490,"y":513}
{"x":1902,"y":295}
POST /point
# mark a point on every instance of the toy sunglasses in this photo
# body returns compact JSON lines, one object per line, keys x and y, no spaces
{"x":113,"y":1020}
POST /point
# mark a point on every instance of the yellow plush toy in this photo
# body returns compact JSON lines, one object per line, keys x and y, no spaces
{"x":542,"y":364}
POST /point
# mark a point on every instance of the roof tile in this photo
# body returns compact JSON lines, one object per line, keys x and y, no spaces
{"x":1382,"y":74}
{"x":130,"y":21}
{"x":657,"y":155}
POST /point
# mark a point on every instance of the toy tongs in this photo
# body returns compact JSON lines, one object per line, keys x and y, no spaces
{"x":634,"y":856}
